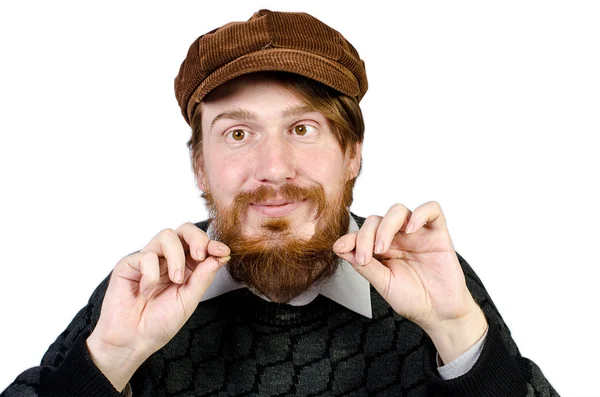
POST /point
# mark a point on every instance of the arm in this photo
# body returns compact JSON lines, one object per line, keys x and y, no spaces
{"x":148,"y":298}
{"x":66,"y":368}
{"x":500,"y":370}
{"x":409,"y":258}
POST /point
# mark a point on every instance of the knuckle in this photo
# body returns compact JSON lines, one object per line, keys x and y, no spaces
{"x":203,"y":236}
{"x":167,"y":233}
{"x":187,"y":226}
{"x":173,"y":266}
{"x":398,"y":208}
{"x":433,"y":204}
{"x":124,"y":260}
{"x":373,"y":218}
{"x":193,"y":232}
{"x":138,"y":255}
{"x":203,"y":244}
{"x":149,"y":256}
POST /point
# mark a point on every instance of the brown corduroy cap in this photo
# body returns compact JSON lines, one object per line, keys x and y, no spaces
{"x":269,"y":41}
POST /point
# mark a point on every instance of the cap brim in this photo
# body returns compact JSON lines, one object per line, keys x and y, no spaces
{"x":303,"y":63}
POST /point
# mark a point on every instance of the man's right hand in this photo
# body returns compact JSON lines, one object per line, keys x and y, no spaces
{"x":151,"y":294}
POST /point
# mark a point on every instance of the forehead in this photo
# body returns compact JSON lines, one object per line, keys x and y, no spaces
{"x":252,"y":96}
{"x":252,"y":85}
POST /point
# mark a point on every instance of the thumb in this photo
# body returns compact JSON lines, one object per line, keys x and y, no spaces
{"x":201,"y":278}
{"x":376,"y":273}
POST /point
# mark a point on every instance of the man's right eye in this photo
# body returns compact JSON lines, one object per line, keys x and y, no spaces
{"x":238,"y":135}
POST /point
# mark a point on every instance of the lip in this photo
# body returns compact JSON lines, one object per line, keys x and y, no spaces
{"x":276,"y":208}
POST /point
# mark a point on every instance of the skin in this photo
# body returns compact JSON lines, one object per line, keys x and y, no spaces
{"x":406,"y":255}
{"x":409,"y":258}
{"x":280,"y":141}
{"x":148,"y":300}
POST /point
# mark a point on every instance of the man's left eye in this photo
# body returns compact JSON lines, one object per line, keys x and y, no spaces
{"x":303,"y":129}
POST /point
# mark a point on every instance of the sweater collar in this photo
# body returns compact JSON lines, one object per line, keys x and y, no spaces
{"x":347,"y":288}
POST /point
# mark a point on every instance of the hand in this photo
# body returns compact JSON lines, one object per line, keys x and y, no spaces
{"x":409,"y":258}
{"x":151,"y":294}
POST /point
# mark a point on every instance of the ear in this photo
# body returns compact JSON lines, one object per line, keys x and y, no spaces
{"x":354,"y":160}
{"x":200,"y":181}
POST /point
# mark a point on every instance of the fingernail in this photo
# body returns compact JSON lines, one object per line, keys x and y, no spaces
{"x":409,"y":229}
{"x":360,"y":258}
{"x":200,"y":254}
{"x":179,"y":276}
{"x":379,"y":247}
{"x":339,"y":246}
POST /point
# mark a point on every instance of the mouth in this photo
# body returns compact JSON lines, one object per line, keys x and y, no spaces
{"x":276,"y":208}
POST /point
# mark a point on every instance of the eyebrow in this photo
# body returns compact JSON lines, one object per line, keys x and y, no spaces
{"x":234,"y":114}
{"x":297,"y":110}
{"x":243,"y":114}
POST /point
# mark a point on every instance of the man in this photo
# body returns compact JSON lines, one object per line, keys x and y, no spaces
{"x":272,"y":296}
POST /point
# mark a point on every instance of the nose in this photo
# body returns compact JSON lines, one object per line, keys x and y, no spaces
{"x":275,"y":161}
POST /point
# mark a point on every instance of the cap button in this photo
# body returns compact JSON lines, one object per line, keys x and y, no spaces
{"x":261,"y":13}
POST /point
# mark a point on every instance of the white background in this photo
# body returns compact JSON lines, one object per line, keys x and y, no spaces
{"x":490,"y":109}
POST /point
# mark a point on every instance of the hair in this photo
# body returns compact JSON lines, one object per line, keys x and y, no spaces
{"x":274,"y":260}
{"x":342,"y":111}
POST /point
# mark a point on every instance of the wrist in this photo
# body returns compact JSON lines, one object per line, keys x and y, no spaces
{"x":454,"y":337}
{"x":118,"y":364}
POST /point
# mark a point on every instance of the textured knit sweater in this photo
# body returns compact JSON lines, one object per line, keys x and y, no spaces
{"x":241,"y":345}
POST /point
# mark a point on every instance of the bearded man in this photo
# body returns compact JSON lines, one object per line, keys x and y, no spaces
{"x":284,"y":291}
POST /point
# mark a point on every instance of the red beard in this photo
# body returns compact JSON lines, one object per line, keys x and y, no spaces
{"x":277,"y":263}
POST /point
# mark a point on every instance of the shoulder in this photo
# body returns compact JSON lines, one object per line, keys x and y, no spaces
{"x":203,"y":224}
{"x":359,"y":219}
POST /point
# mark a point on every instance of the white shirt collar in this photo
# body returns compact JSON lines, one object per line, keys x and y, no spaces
{"x":347,"y":287}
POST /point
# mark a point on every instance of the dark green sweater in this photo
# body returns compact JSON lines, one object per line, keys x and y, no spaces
{"x":240,"y":345}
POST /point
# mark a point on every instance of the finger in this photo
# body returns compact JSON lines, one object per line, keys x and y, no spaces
{"x":365,"y":241}
{"x":141,"y":267}
{"x":214,"y":248}
{"x":168,"y":245}
{"x":378,"y":275}
{"x":349,"y":257}
{"x":394,"y":221}
{"x":375,"y":272}
{"x":217,"y":248}
{"x":345,"y":244}
{"x":194,"y":240}
{"x":429,"y":213}
{"x":198,"y":282}
{"x":150,"y":269}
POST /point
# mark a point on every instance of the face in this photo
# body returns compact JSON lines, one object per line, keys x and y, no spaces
{"x":276,"y":179}
{"x":258,"y":134}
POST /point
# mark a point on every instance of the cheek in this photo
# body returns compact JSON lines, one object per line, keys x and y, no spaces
{"x":225,"y":177}
{"x":325,"y":167}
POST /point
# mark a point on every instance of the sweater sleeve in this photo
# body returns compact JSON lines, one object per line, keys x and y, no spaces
{"x":500,"y":369}
{"x":67,"y":368}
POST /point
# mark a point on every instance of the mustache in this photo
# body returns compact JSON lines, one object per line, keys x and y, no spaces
{"x":274,"y":259}
{"x":287,"y":192}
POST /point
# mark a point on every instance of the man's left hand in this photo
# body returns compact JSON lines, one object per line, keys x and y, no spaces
{"x":409,"y":258}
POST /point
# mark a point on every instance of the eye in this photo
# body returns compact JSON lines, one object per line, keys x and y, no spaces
{"x":238,"y":135}
{"x":303,"y":129}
